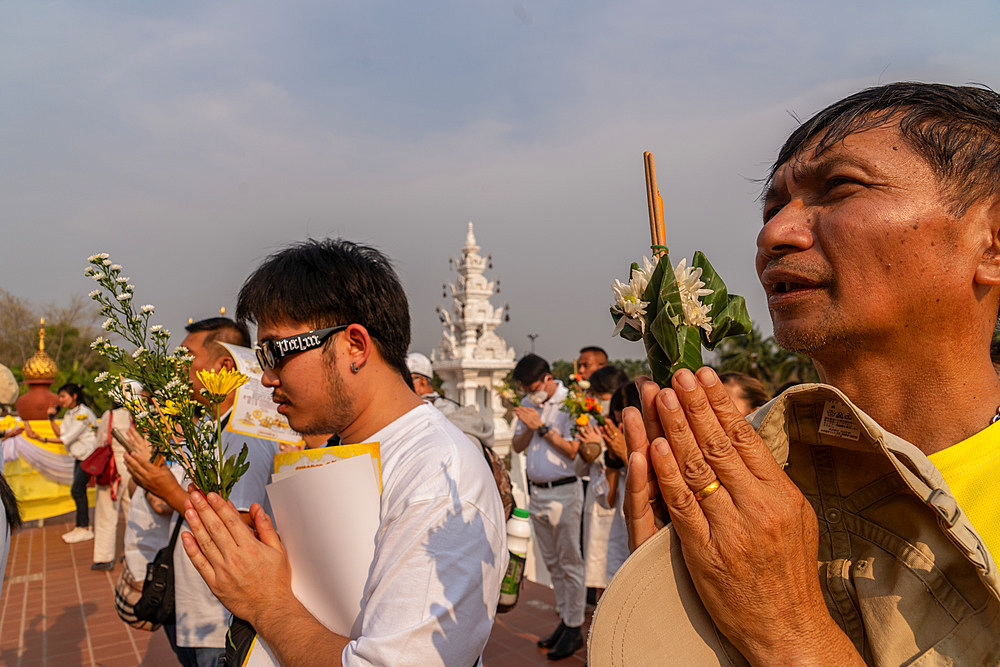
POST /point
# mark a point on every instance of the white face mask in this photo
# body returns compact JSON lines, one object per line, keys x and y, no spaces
{"x":538,"y":397}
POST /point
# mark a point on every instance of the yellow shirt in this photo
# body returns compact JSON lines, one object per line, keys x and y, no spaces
{"x":971,"y":469}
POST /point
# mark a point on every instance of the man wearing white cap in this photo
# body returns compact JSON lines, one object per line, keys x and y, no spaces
{"x":422,"y":374}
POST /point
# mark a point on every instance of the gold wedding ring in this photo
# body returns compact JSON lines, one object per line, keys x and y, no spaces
{"x":708,"y":490}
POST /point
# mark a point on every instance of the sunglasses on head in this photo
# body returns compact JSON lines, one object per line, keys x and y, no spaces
{"x":270,"y":352}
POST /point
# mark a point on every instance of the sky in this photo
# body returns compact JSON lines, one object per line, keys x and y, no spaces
{"x":190,"y":140}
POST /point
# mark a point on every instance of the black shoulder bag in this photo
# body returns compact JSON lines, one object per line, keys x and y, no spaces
{"x":157,"y":602}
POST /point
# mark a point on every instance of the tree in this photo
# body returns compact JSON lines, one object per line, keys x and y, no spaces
{"x":69,"y":330}
{"x":751,"y":354}
{"x":765,"y":360}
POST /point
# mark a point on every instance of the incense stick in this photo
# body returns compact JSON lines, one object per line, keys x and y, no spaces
{"x":654,"y":201}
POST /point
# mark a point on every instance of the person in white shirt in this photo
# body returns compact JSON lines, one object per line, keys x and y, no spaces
{"x":199,"y":635}
{"x":76,"y":432}
{"x":10,"y":520}
{"x":543,"y":429}
{"x":333,"y":330}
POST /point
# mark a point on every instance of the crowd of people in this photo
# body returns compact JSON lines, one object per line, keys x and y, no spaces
{"x":880,"y":259}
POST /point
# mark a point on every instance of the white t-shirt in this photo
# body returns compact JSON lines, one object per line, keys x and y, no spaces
{"x":544,"y":462}
{"x":440,"y":550}
{"x":202,"y":621}
{"x":146,"y":532}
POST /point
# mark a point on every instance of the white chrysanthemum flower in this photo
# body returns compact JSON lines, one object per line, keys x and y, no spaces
{"x":156,"y":328}
{"x":98,"y":342}
{"x":124,"y":296}
{"x":691,"y":289}
{"x":92,"y":258}
{"x":106,"y":262}
{"x":97,"y":275}
{"x":101,"y":377}
{"x":696,"y":314}
{"x":94,"y":293}
{"x":139,"y":351}
{"x":147,"y":308}
{"x":122,"y":279}
{"x":102,"y":255}
{"x":689,"y":280}
{"x":640,"y":275}
{"x":107,"y":324}
{"x":116,"y":267}
{"x":583,"y":384}
{"x":628,"y":302}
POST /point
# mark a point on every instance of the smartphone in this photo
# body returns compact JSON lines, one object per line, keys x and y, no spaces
{"x":122,"y":440}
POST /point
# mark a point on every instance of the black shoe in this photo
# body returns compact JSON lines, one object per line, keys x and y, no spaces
{"x":570,"y":642}
{"x":106,"y":567}
{"x":551,"y":640}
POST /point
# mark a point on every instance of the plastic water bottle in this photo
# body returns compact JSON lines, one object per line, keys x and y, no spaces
{"x":518,"y":539}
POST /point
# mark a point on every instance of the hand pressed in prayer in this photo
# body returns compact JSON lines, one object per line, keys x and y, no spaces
{"x":249,"y":574}
{"x":751,"y":543}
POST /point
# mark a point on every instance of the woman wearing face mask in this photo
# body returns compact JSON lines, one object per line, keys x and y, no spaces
{"x":76,"y":432}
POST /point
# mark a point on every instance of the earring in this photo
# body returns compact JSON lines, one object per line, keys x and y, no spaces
{"x":354,"y":367}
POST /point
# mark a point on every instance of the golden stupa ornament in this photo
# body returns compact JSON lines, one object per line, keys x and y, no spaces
{"x":40,"y":365}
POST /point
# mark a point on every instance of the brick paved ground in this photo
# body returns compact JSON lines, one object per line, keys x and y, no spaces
{"x":55,"y":610}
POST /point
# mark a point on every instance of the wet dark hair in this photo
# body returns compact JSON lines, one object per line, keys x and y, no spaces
{"x":607,"y":379}
{"x":330,"y":282}
{"x":74,"y":390}
{"x":10,"y":505}
{"x":626,"y":396}
{"x":530,"y":368}
{"x":752,"y":389}
{"x":221,"y":330}
{"x":956,"y":129}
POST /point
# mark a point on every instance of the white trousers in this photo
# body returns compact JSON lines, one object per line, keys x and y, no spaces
{"x":597,"y":522}
{"x":555,"y":519}
{"x":106,"y":511}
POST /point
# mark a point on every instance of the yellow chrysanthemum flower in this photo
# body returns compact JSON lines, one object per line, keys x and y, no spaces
{"x":172,"y":408}
{"x":218,"y":384}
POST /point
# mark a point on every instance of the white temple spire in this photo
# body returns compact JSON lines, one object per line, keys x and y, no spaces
{"x":471,"y":357}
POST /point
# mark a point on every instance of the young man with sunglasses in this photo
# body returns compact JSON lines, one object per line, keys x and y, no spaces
{"x":333,"y":330}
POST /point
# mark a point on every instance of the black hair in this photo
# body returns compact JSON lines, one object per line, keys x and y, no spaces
{"x":10,"y":505}
{"x":625,"y":396}
{"x":607,"y":379}
{"x":74,"y":390}
{"x":529,"y":369}
{"x":995,"y":351}
{"x":956,"y":129}
{"x":221,"y":330}
{"x":330,"y":282}
{"x":788,"y":385}
{"x":595,"y":350}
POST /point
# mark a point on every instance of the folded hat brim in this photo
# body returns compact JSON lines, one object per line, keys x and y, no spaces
{"x":651,"y":614}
